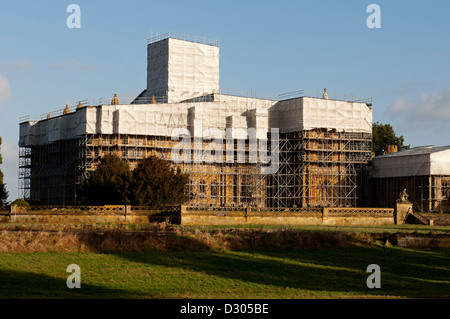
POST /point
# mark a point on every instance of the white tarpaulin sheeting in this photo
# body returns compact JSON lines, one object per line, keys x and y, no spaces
{"x":420,"y":161}
{"x":25,"y":137}
{"x":189,"y":70}
{"x":417,"y":165}
{"x":183,"y":69}
{"x":148,"y":119}
{"x":440,"y":163}
{"x":54,"y":129}
{"x":239,"y":113}
{"x":304,"y":113}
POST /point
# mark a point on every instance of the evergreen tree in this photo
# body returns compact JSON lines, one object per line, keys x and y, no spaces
{"x":152,"y":182}
{"x":109,"y":184}
{"x":155,"y":182}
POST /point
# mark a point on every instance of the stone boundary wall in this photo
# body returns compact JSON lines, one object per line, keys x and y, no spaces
{"x":290,"y":216}
{"x":114,"y":214}
{"x":186,"y":215}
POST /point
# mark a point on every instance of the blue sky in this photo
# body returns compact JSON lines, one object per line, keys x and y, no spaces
{"x":271,"y":47}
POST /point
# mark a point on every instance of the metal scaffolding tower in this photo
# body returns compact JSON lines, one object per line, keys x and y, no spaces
{"x":316,"y":168}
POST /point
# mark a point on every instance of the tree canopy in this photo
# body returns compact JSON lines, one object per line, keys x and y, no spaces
{"x":155,"y":182}
{"x":384,"y":135}
{"x":152,"y":182}
{"x":109,"y":184}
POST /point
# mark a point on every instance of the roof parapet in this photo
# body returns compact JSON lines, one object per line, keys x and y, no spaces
{"x":185,"y":37}
{"x":321,"y":95}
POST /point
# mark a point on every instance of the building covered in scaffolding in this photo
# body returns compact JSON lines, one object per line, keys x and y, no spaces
{"x":301,"y":149}
{"x":424,"y":172}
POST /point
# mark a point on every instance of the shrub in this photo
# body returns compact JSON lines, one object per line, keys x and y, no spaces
{"x":21,"y":203}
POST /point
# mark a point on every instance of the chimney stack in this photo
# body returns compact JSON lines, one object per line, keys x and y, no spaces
{"x":391,"y":149}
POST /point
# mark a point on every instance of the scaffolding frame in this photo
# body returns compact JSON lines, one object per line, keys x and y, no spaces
{"x":50,"y":171}
{"x":428,"y":193}
{"x":47,"y":173}
{"x":320,"y":168}
{"x":317,"y":168}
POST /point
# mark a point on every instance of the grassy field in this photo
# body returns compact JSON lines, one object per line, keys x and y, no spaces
{"x":170,"y":261}
{"x":303,"y":273}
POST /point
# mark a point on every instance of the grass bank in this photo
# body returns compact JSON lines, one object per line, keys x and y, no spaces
{"x":405,"y":228}
{"x":307,"y":273}
{"x":167,"y":237}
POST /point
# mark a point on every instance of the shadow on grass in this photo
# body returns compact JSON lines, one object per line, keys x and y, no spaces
{"x":28,"y":285}
{"x":324,"y":272}
{"x":411,"y":273}
{"x":319,"y":272}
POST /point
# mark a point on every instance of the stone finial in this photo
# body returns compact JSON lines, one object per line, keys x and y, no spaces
{"x":66,"y":110}
{"x":115,"y":100}
{"x":325,"y":94}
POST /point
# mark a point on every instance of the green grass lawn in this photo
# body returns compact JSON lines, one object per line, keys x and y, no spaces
{"x":303,"y":273}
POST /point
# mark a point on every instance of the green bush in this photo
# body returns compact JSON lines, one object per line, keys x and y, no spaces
{"x":21,"y":203}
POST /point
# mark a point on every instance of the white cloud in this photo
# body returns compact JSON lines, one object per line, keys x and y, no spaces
{"x":70,"y":63}
{"x":62,"y":65}
{"x":17,"y":68}
{"x":88,"y":67}
{"x":410,"y":87}
{"x":429,"y":107}
{"x":4,"y":89}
